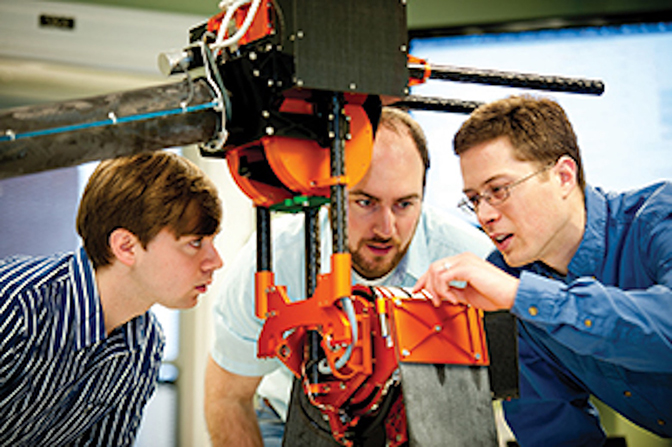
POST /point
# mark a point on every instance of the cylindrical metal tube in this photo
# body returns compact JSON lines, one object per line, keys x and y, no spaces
{"x":416,"y":102}
{"x":339,"y":213}
{"x":509,"y":79}
{"x":312,"y":248}
{"x":264,"y":253}
{"x":50,"y":136}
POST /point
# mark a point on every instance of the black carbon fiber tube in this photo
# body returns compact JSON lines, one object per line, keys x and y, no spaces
{"x":312,"y":248}
{"x":264,"y":253}
{"x":50,"y":136}
{"x":415,"y":102}
{"x":509,"y":79}
{"x":338,"y":192}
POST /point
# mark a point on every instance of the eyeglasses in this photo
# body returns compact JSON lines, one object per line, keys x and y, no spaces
{"x":495,"y":195}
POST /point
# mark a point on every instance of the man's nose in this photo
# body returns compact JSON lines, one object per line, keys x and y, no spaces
{"x":486,"y":213}
{"x":385,"y":223}
{"x":212,"y":261}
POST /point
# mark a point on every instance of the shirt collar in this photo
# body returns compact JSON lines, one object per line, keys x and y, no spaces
{"x":592,"y":248}
{"x":87,"y":311}
{"x":416,"y":262}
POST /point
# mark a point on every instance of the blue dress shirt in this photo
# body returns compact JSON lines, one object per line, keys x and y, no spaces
{"x":603,"y":329}
{"x":62,"y":380}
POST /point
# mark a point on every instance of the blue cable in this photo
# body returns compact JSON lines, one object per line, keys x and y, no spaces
{"x":109,"y":122}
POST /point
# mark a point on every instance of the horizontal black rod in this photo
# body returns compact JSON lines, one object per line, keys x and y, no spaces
{"x":415,"y":102}
{"x":57,"y":135}
{"x":508,"y":79}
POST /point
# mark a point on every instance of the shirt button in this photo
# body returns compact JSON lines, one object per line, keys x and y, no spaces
{"x":627,"y":394}
{"x":661,"y":422}
{"x":588,"y":323}
{"x":533,"y":311}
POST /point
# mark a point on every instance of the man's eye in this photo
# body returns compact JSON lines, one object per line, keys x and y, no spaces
{"x":196,"y":243}
{"x":364,"y":203}
{"x":474,"y":200}
{"x":404,"y":204}
{"x":497,"y":191}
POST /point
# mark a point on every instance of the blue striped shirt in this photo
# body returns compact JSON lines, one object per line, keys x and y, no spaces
{"x":62,"y":380}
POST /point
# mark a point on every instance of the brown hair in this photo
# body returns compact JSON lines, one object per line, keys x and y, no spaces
{"x":538,"y":129}
{"x":144,"y":194}
{"x":396,"y":119}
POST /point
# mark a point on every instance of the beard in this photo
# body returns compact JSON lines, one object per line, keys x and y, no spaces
{"x":373,"y":267}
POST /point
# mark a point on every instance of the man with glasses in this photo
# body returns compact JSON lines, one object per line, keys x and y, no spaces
{"x":588,"y":274}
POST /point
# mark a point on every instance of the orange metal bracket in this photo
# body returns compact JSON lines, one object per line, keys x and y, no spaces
{"x":449,"y":334}
{"x":302,"y":167}
{"x":428,"y":71}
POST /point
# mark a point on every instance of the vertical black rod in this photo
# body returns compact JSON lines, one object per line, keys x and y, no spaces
{"x":264,"y":258}
{"x":312,"y":243}
{"x":338,"y":192}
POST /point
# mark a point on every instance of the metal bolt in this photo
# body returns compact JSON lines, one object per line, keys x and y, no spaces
{"x":255,"y":73}
{"x":353,"y":86}
{"x":299,"y":82}
{"x":403,"y":48}
{"x":477,"y":356}
{"x":265,"y":114}
{"x":253,"y":56}
{"x":405,"y":353}
{"x":299,"y":34}
{"x":438,"y":328}
{"x":270,"y":130}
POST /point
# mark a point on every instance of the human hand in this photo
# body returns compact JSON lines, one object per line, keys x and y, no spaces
{"x":468,"y":279}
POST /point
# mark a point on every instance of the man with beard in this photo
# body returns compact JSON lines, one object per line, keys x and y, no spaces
{"x":392,"y":240}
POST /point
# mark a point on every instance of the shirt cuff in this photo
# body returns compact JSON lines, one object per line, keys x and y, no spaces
{"x":536,"y":299}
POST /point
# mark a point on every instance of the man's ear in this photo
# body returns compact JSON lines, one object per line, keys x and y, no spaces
{"x":124,"y":246}
{"x":567,"y":171}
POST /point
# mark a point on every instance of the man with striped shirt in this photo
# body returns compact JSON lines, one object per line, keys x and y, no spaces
{"x":79,"y":349}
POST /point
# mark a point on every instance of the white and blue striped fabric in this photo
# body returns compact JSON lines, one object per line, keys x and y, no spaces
{"x":62,"y":380}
